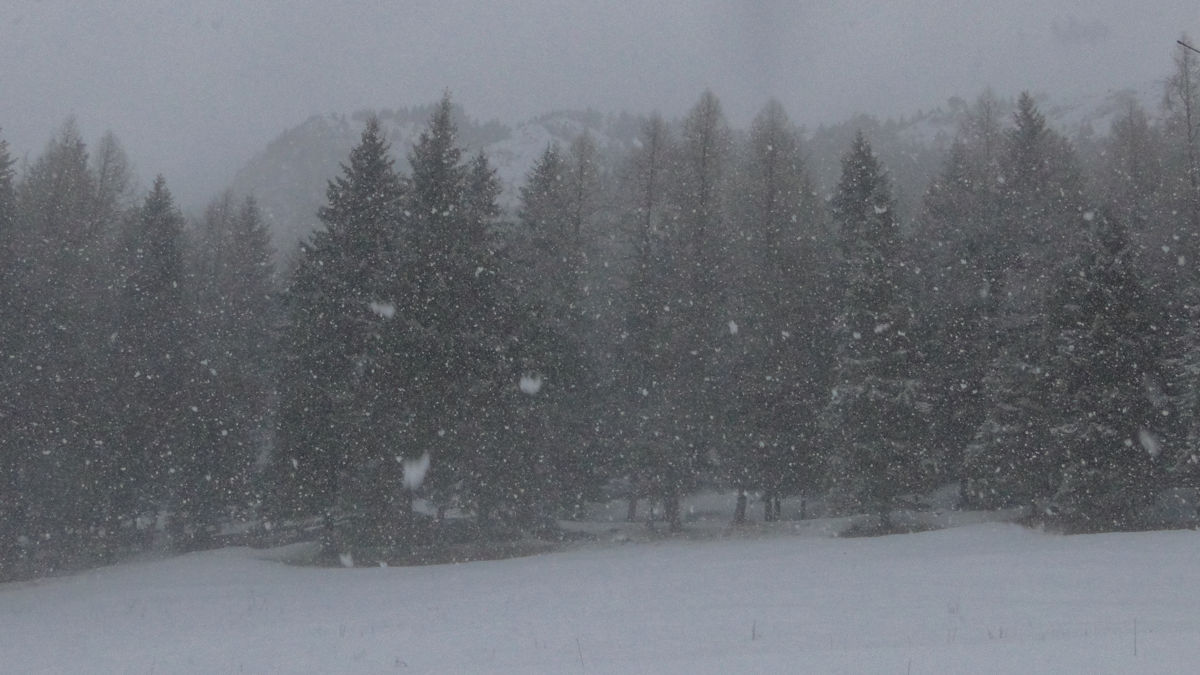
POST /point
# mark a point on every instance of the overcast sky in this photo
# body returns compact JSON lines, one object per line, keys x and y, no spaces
{"x":193,"y":89}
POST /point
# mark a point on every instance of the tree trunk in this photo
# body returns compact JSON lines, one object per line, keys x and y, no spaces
{"x":483,"y":518}
{"x":631,"y":513}
{"x":739,"y":513}
{"x":671,"y":511}
{"x":885,"y":518}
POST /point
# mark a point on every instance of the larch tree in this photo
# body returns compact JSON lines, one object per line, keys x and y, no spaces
{"x":779,"y":282}
{"x":960,"y":264}
{"x":643,"y":402}
{"x":66,"y":432}
{"x":236,"y":321}
{"x":695,"y":305}
{"x":1181,"y":103}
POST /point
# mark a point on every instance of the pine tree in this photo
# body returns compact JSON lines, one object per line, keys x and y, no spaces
{"x":877,"y":410}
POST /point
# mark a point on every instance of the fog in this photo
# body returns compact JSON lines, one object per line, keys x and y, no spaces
{"x":194,"y":89}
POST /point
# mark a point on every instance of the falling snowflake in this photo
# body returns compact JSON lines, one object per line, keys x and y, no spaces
{"x":733,"y":327}
{"x":385,"y":310}
{"x":530,"y":384}
{"x":414,"y":471}
{"x":1149,"y":443}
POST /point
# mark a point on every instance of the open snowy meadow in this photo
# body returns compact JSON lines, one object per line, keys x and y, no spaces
{"x":981,"y":598}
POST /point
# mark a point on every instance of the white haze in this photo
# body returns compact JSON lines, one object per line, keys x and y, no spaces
{"x":194,"y":89}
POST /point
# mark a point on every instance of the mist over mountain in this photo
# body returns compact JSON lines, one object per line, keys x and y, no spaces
{"x":289,"y":176}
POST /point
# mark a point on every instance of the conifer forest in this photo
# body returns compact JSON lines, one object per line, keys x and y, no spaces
{"x":699,"y":311}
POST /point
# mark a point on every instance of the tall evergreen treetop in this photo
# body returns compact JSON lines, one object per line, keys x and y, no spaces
{"x":862,"y":208}
{"x":1108,"y":386}
{"x":876,"y":415}
{"x":347,"y":283}
{"x":154,"y":245}
{"x":363,"y":209}
{"x":438,"y":175}
{"x":543,"y":198}
{"x":1042,"y":181}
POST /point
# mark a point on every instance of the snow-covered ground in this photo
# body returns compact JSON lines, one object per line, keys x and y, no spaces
{"x":983,"y":598}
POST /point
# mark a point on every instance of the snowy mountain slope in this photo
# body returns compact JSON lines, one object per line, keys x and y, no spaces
{"x":987,"y":598}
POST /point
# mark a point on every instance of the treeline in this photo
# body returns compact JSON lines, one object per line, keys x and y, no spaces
{"x":137,"y":360}
{"x":691,"y":314}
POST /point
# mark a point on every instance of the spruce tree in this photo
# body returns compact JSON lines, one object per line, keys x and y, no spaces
{"x":1038,"y":229}
{"x":957,"y":275}
{"x":877,"y":410}
{"x":154,"y":345}
{"x":1107,"y":386}
{"x":339,"y":302}
{"x":457,"y":341}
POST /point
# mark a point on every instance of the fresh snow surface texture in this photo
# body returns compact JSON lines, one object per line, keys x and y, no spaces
{"x":991,"y":598}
